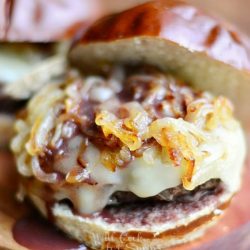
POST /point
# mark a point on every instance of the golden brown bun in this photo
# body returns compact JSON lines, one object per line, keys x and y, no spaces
{"x":175,"y":37}
{"x":99,"y":233}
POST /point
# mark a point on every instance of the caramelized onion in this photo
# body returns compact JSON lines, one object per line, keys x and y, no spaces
{"x":108,"y":159}
{"x":181,"y":141}
{"x":41,"y":175}
{"x":23,"y":165}
{"x":210,"y":114}
{"x":79,"y":175}
{"x":113,"y":159}
{"x":221,"y":115}
{"x":111,"y":125}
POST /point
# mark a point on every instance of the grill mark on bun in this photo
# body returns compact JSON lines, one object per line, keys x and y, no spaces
{"x":135,"y":25}
{"x":235,"y":37}
{"x":213,"y":36}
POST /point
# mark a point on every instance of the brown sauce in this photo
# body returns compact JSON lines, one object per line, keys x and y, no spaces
{"x":36,"y":233}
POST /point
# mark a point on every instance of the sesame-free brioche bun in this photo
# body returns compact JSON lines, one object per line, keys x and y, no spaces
{"x":177,"y":38}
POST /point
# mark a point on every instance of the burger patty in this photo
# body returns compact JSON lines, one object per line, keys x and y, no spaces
{"x":178,"y":193}
{"x":153,"y":212}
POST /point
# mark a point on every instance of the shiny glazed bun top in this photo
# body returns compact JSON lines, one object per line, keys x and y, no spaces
{"x":176,"y":37}
{"x":178,"y":22}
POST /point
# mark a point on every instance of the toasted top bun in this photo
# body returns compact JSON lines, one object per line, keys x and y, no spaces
{"x":176,"y":37}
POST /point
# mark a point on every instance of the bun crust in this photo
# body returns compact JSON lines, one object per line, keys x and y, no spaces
{"x":98,"y":232}
{"x":175,"y":37}
{"x":176,"y":21}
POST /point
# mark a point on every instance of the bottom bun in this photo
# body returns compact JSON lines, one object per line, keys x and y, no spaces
{"x":140,"y":226}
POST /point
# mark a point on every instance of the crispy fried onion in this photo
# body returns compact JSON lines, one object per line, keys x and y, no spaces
{"x":39,"y":134}
{"x":41,"y":175}
{"x":130,"y":130}
{"x":42,"y":117}
{"x":209,"y":115}
{"x":78,"y":174}
{"x":223,"y":112}
{"x":113,"y":159}
{"x":180,"y":142}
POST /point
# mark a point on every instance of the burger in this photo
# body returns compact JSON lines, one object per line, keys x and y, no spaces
{"x":21,"y":63}
{"x":138,"y":146}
